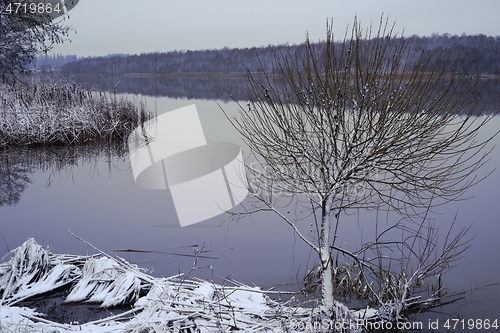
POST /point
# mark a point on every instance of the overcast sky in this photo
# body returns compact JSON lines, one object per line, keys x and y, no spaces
{"x":132,"y":26}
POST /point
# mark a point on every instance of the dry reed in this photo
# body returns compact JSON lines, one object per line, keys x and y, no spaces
{"x":64,"y":114}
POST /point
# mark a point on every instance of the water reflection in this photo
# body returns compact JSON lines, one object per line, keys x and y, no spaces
{"x":212,"y":88}
{"x":17,"y":164}
{"x":14,"y":176}
{"x":228,"y":89}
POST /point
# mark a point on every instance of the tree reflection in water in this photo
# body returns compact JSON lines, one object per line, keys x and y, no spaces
{"x":19,"y":163}
{"x":14,"y":177}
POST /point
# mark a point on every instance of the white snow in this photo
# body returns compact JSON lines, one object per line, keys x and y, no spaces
{"x":168,"y":304}
{"x":104,"y":281}
{"x":206,"y":290}
{"x":366,"y":314}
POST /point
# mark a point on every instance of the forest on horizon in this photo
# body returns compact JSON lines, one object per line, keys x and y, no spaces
{"x":473,"y":54}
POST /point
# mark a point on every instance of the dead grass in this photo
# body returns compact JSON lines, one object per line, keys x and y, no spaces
{"x":64,"y":114}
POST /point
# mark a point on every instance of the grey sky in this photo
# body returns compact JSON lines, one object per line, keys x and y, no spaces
{"x":132,"y":26}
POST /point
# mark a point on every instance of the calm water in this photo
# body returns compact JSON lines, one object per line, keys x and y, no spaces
{"x":97,"y":199}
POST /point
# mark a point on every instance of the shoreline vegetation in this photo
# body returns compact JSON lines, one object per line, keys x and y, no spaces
{"x":46,"y":113}
{"x":178,"y":303}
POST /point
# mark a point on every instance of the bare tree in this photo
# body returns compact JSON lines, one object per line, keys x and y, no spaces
{"x":361,"y":124}
{"x":28,"y":29}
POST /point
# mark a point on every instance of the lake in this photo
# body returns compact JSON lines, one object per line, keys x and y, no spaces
{"x":93,"y":194}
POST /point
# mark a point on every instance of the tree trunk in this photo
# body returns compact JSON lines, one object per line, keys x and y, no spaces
{"x":327,"y":301}
{"x":329,"y":307}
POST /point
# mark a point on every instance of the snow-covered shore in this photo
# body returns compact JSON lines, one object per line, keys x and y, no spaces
{"x":157,"y":304}
{"x":174,"y":304}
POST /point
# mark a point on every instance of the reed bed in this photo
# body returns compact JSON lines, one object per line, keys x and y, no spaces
{"x":64,"y":114}
{"x":174,"y":304}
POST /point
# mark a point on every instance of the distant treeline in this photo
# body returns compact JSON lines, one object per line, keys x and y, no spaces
{"x":52,"y":62}
{"x":476,"y":55}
